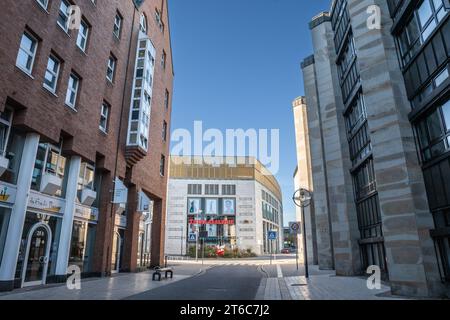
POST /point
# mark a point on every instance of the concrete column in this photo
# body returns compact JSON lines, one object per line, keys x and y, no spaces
{"x":411,"y":258}
{"x":342,"y":209}
{"x":325,"y":257}
{"x":303,"y":176}
{"x":130,"y":247}
{"x":18,"y":213}
{"x":157,"y":251}
{"x":105,"y":226}
{"x":67,"y":221}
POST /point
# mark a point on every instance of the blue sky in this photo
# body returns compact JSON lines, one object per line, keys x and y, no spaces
{"x":237,"y":65}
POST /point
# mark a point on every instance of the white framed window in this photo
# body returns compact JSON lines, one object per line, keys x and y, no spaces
{"x":27,"y":53}
{"x":94,"y":2}
{"x":143,"y":23}
{"x":83,"y":34}
{"x":63,"y":15}
{"x":117,"y":25}
{"x":52,"y":73}
{"x":43,"y":3}
{"x":111,"y":68}
{"x":72,"y":90}
{"x":104,"y":114}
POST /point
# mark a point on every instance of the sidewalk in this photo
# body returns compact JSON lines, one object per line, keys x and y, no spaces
{"x":321,"y":285}
{"x":117,"y":287}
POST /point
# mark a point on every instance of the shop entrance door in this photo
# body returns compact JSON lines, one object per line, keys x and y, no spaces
{"x":37,"y":255}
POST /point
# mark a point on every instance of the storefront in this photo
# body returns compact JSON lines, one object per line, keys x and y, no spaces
{"x":36,"y":263}
{"x":213,"y":217}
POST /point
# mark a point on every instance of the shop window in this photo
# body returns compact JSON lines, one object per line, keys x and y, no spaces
{"x":49,"y":169}
{"x":4,"y":220}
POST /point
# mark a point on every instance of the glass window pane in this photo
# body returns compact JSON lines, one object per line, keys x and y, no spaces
{"x":425,"y":12}
{"x":446,"y":111}
{"x":434,"y":125}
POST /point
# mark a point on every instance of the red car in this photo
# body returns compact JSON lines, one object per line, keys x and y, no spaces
{"x":286,"y":250}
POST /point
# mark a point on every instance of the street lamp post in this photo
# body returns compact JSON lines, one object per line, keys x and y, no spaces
{"x":302,"y":199}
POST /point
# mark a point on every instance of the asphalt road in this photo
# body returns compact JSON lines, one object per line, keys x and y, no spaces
{"x":216,"y":283}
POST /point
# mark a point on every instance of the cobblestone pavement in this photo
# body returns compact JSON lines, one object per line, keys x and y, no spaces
{"x":116,"y":287}
{"x":321,"y":285}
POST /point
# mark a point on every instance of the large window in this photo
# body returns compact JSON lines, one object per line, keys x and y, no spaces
{"x":11,"y":146}
{"x":434,"y":132}
{"x":83,"y":34}
{"x":228,"y":189}
{"x":194,"y":189}
{"x":27,"y":53}
{"x":420,"y":26}
{"x":86,"y":177}
{"x":51,"y":74}
{"x":4,"y":220}
{"x":72,"y":90}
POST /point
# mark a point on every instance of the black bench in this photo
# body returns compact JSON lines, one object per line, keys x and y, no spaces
{"x":157,"y":273}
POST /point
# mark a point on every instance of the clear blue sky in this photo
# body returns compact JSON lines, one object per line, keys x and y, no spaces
{"x":237,"y":65}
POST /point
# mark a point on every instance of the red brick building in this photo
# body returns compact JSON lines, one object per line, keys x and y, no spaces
{"x":84,"y":137}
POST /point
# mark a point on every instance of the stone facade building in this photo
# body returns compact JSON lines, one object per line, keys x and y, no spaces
{"x":379,"y":120}
{"x":303,"y":179}
{"x":84,"y":130}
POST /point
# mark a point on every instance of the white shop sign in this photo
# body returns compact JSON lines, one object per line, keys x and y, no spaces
{"x":7,"y":193}
{"x":86,"y":213}
{"x":42,"y":202}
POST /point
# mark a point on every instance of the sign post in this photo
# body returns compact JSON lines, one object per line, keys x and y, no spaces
{"x":272,"y":235}
{"x":302,"y":198}
{"x":294,"y":228}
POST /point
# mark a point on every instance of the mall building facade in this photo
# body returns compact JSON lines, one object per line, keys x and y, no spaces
{"x":84,"y":130}
{"x":377,"y":97}
{"x":235,"y":201}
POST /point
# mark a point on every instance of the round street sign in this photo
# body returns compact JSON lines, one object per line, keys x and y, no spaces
{"x":294,"y":227}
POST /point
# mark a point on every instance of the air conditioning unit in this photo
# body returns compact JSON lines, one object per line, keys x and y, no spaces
{"x":50,"y":184}
{"x":88,"y":196}
{"x":4,"y":163}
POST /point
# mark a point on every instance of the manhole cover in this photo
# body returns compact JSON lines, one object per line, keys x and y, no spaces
{"x":298,"y":284}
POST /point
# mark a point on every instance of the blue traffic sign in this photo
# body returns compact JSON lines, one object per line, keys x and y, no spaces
{"x":192,"y":237}
{"x":272,"y":235}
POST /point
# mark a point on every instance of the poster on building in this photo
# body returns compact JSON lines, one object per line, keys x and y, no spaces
{"x":211,"y":206}
{"x":212,"y":230}
{"x":193,"y":206}
{"x":229,"y":206}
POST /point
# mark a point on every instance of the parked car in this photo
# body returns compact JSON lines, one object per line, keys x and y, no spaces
{"x":285,"y":250}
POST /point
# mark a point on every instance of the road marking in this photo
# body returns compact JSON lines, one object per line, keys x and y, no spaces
{"x":279,"y":272}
